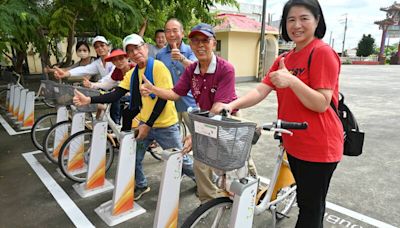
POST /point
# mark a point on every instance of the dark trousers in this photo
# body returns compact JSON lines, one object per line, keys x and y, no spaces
{"x":312,"y":180}
{"x":115,"y":111}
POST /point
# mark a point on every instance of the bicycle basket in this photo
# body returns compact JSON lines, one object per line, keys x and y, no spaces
{"x":89,"y":93}
{"x":222,"y":144}
{"x":48,"y":89}
{"x":64,"y":94}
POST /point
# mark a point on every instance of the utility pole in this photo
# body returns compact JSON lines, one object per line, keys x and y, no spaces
{"x":262,"y":44}
{"x":344,"y":36}
{"x":330,"y":39}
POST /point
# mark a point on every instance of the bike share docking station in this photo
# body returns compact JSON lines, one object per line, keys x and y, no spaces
{"x":75,"y":162}
{"x":122,"y":206}
{"x":96,"y":182}
{"x":168,"y":195}
{"x":20,"y":105}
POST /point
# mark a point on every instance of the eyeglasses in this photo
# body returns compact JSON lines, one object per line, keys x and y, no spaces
{"x":133,"y":48}
{"x":196,"y":41}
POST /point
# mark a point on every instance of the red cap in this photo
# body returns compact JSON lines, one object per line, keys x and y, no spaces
{"x":115,"y":53}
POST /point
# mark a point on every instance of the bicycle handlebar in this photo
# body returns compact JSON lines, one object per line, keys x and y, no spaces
{"x":285,"y":125}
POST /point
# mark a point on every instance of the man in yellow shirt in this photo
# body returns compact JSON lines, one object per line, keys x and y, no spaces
{"x":158,"y":117}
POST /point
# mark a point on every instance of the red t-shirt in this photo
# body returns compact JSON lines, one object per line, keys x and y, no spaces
{"x":322,"y":141}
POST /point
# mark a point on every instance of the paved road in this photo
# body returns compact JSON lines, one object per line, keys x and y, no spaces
{"x":364,"y":190}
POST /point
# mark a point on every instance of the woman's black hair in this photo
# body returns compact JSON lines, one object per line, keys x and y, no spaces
{"x":80,"y":43}
{"x":315,"y":9}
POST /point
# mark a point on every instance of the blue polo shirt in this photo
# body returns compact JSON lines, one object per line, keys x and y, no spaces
{"x":176,"y":68}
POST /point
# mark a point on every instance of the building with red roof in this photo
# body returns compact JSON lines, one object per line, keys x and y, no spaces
{"x":238,"y":41}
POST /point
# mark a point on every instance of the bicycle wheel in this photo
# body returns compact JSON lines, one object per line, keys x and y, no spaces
{"x":63,"y":129}
{"x":215,"y":213}
{"x":40,"y":128}
{"x":74,"y":141}
{"x":283,"y":207}
{"x":182,"y":129}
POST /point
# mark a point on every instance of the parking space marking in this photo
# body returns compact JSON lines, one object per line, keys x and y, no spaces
{"x":73,"y":212}
{"x":358,"y":216}
{"x":9,"y":129}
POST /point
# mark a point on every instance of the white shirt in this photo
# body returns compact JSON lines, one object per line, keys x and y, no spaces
{"x":96,"y":67}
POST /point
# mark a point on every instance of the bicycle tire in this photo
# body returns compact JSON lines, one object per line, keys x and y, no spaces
{"x":38,"y":131}
{"x":182,"y":129}
{"x":63,"y":158}
{"x":202,"y":216}
{"x":48,"y":142}
{"x":283,"y":208}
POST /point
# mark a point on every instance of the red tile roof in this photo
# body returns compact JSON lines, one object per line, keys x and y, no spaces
{"x":240,"y":22}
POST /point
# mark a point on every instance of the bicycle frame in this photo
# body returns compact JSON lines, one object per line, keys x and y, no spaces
{"x":281,"y":177}
{"x":244,"y":202}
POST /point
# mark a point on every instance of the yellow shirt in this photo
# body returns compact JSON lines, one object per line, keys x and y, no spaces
{"x":162,"y":78}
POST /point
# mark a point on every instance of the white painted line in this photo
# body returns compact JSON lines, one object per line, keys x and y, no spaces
{"x":73,"y":212}
{"x":358,"y":216}
{"x":9,"y":129}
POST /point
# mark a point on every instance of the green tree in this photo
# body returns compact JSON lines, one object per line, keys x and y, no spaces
{"x":20,"y":27}
{"x":365,"y":46}
{"x":44,"y":23}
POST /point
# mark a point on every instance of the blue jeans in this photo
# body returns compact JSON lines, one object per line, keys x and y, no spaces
{"x":167,"y":138}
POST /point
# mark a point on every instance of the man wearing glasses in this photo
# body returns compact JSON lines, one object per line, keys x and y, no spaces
{"x":158,"y":117}
{"x":212,"y":81}
{"x":177,"y":56}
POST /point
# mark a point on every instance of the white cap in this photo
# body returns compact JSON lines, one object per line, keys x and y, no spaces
{"x":132,"y":39}
{"x":100,"y":39}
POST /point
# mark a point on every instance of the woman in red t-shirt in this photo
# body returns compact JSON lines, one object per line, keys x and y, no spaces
{"x":304,"y":94}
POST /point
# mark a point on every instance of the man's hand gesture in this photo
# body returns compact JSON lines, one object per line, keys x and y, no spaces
{"x":146,"y":88}
{"x":80,"y":99}
{"x":59,"y":73}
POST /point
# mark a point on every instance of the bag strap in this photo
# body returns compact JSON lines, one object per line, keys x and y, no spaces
{"x":149,"y":73}
{"x":340,"y":94}
{"x":136,"y":99}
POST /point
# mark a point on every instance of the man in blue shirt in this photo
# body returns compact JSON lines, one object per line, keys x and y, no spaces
{"x":177,"y":56}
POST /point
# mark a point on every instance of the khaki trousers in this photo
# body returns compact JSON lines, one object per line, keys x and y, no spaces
{"x":206,"y":188}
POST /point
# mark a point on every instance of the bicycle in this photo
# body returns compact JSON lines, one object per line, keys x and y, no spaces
{"x":60,"y":131}
{"x":74,"y":141}
{"x":7,"y":77}
{"x":45,"y":122}
{"x":246,"y":197}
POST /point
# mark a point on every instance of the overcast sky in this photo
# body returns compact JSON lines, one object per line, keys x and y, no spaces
{"x":361,"y":15}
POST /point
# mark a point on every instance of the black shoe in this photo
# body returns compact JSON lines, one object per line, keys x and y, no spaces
{"x":140,"y":191}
